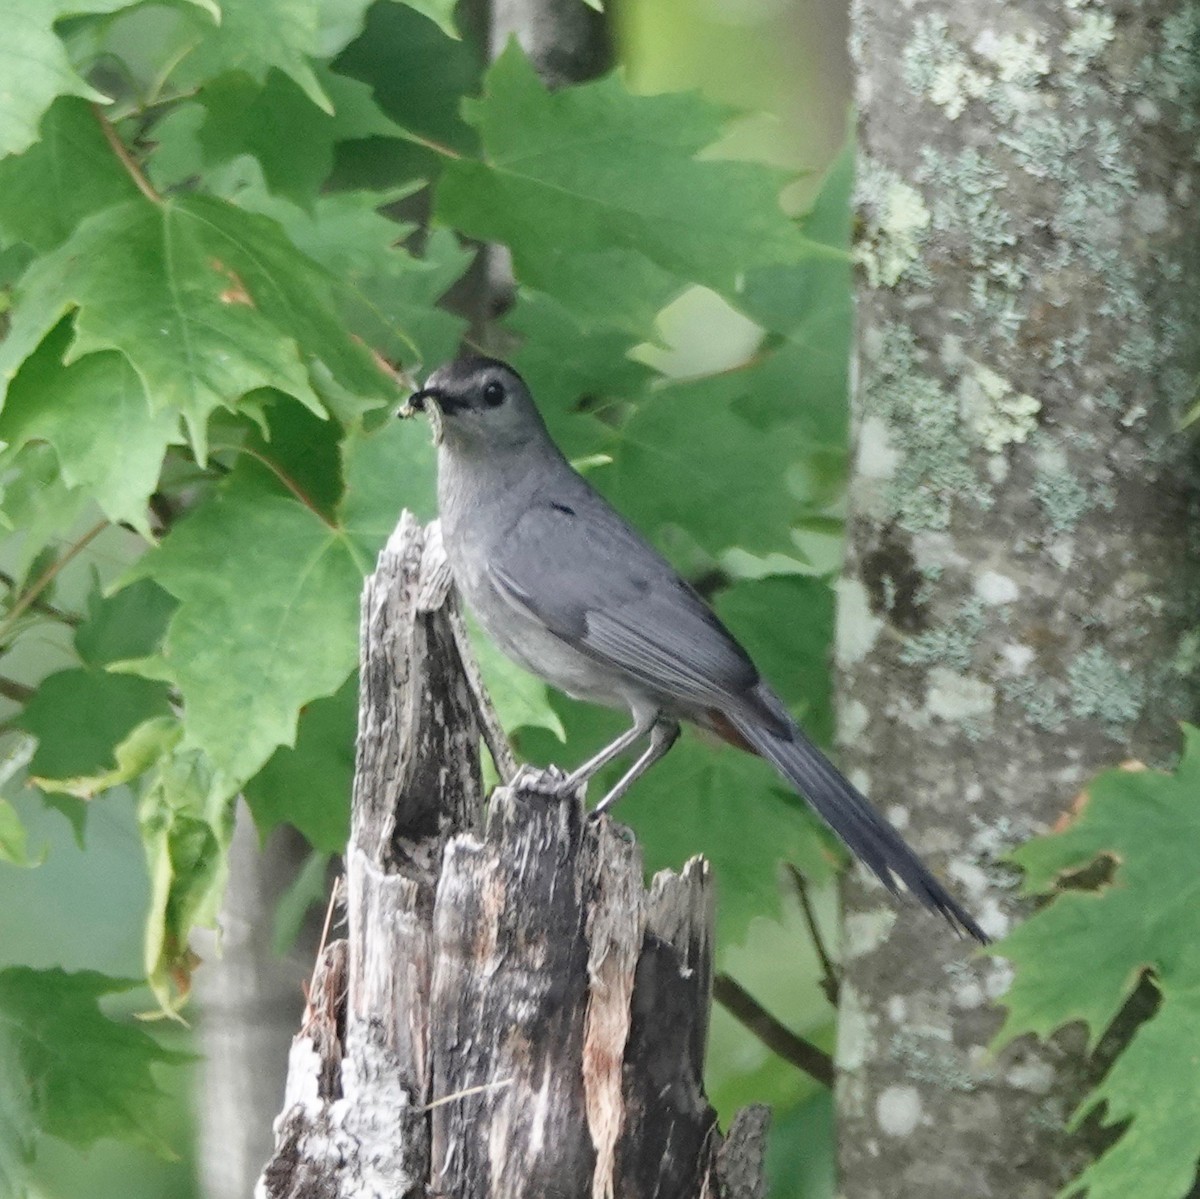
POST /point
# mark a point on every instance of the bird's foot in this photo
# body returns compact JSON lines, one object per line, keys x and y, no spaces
{"x":612,"y":828}
{"x":550,"y":782}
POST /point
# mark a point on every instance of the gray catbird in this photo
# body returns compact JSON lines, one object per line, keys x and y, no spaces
{"x":570,"y":591}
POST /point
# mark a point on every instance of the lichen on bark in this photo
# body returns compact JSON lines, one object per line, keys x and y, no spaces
{"x":1017,"y":607}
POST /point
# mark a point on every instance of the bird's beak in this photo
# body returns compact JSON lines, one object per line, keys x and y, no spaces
{"x":430,"y":400}
{"x":418,"y":401}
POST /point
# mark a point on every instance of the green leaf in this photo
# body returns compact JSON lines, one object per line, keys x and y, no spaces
{"x":810,"y":306}
{"x":206,"y":302}
{"x":256,"y":36}
{"x":97,"y":416}
{"x":134,"y":756}
{"x":67,"y":175}
{"x":306,"y":890}
{"x":714,"y":473}
{"x":127,"y":624}
{"x":1157,"y":1153}
{"x":777,"y":963}
{"x":419,"y":77}
{"x":87,"y":1076}
{"x":733,"y":809}
{"x":280,"y":126}
{"x":440,"y":12}
{"x":600,"y":196}
{"x":392,"y":468}
{"x":299,"y":447}
{"x":520,"y":699}
{"x":339,"y":22}
{"x":308,"y":786}
{"x":176,"y":160}
{"x":37,"y":506}
{"x":393,"y":305}
{"x":387,"y":297}
{"x":14,"y":849}
{"x":35,"y":68}
{"x":801,"y":1150}
{"x":1080,"y":957}
{"x":14,"y":841}
{"x":186,"y":816}
{"x":786,"y":624}
{"x":80,"y":716}
{"x":574,"y":370}
{"x":268,"y":588}
{"x":267,"y":618}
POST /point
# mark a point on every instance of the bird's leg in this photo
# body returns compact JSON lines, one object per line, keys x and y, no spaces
{"x":663,"y":735}
{"x":643,"y":722}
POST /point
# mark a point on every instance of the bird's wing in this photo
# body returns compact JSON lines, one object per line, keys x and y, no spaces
{"x":588,"y":577}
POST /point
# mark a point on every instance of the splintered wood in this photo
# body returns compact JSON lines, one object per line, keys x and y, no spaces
{"x":511,"y":1014}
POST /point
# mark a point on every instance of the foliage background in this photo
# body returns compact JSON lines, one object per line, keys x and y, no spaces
{"x":199,"y":464}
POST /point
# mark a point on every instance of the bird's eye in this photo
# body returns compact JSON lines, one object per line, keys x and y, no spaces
{"x":493,"y":394}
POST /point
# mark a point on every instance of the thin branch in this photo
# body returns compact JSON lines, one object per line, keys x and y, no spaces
{"x":119,"y":148}
{"x":143,"y":110}
{"x":41,"y":605}
{"x":18,"y":692}
{"x":831,"y":983}
{"x":47,"y":577}
{"x":744,"y":1008}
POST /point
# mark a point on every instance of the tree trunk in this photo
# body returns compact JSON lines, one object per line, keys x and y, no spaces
{"x":512,"y":1013}
{"x":249,"y":998}
{"x":1016,"y":610}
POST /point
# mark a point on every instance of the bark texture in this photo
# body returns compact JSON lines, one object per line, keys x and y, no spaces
{"x":512,"y":1013}
{"x":1018,"y":607}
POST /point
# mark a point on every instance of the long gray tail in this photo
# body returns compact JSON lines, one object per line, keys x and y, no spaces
{"x":867,"y":834}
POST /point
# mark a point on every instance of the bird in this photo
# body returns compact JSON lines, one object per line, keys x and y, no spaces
{"x":568,"y":589}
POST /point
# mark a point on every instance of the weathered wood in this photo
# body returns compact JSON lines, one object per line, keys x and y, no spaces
{"x":511,"y":1014}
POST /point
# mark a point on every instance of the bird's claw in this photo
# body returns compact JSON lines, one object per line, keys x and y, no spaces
{"x":550,"y":782}
{"x":614,"y":828}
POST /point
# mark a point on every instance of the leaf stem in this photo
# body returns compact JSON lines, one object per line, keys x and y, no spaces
{"x":40,"y":605}
{"x":17,"y":692}
{"x":831,"y":983}
{"x":47,"y":577}
{"x":744,"y":1008}
{"x":126,"y":159}
{"x":282,"y":477}
{"x":417,"y":139}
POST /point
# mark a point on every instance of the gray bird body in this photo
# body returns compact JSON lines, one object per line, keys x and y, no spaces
{"x":568,"y":589}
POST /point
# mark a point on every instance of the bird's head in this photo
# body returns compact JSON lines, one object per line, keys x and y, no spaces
{"x":478,"y":402}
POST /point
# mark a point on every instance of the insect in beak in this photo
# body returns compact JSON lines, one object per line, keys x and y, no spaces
{"x":427,"y":400}
{"x":418,"y":402}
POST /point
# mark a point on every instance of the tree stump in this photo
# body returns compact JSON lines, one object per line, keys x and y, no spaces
{"x":512,"y":1013}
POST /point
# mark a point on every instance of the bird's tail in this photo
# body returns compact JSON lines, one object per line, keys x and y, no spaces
{"x":843,"y":807}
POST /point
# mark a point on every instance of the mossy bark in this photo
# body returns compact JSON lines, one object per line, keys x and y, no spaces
{"x":1018,"y":607}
